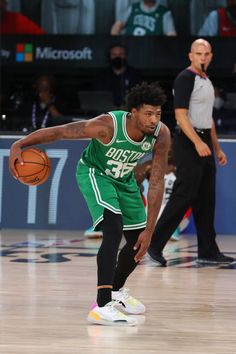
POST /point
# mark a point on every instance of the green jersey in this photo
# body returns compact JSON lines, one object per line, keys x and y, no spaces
{"x":142,"y":23}
{"x":118,"y":158}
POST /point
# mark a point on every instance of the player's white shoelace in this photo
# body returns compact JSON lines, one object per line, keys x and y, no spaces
{"x":129,"y":303}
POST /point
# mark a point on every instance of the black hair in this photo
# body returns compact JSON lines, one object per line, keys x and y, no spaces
{"x":145,"y":93}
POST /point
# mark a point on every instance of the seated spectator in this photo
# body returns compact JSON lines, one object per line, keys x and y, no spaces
{"x":68,"y":16}
{"x":16,"y":23}
{"x":199,"y":10}
{"x":118,"y":77}
{"x":221,"y":22}
{"x":121,"y":7}
{"x":147,"y":17}
{"x":44,"y":109}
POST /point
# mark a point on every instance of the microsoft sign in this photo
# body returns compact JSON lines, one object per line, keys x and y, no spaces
{"x":50,"y":53}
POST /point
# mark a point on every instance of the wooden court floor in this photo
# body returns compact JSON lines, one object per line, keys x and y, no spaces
{"x":48,"y":284}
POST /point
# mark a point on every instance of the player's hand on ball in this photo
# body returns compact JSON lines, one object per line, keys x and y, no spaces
{"x":31,"y":166}
{"x":15,"y":155}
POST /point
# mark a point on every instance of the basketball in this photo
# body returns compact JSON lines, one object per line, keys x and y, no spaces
{"x":36,"y":168}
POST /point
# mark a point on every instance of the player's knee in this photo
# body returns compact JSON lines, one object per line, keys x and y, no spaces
{"x":112,"y":222}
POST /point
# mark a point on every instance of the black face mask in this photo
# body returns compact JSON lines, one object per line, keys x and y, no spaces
{"x":118,"y":62}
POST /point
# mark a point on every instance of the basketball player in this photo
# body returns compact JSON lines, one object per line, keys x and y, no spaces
{"x":105,"y":177}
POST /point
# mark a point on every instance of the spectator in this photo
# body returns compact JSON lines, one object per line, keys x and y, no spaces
{"x":68,"y":16}
{"x":221,"y":22}
{"x":44,"y":107}
{"x":147,"y":17}
{"x":16,"y":23}
{"x":118,"y":77}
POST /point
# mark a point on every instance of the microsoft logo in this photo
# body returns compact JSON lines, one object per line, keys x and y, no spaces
{"x":24,"y":52}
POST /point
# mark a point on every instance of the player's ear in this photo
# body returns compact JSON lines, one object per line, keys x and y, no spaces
{"x":134,"y":110}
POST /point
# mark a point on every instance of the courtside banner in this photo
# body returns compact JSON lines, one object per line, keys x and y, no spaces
{"x":90,"y":51}
{"x":58,"y":203}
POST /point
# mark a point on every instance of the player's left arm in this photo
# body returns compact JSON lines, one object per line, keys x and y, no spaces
{"x":220,"y":155}
{"x":155,"y":189}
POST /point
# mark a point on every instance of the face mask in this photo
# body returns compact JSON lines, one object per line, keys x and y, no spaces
{"x":118,"y":62}
{"x":218,"y":103}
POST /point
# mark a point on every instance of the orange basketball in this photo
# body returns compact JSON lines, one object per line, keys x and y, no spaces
{"x":36,"y":168}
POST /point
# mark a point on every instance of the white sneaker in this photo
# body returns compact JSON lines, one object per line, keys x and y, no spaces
{"x":108,"y":315}
{"x":130,"y":304}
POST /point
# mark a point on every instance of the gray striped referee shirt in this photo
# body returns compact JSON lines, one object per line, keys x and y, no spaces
{"x":196,"y":94}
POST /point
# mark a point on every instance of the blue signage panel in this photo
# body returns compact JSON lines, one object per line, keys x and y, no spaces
{"x":226,"y":191}
{"x":58,"y":203}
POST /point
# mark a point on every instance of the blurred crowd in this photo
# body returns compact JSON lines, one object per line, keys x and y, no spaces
{"x":42,"y":102}
{"x":125,"y":17}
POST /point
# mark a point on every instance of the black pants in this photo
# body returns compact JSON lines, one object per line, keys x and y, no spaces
{"x":194,"y":187}
{"x":113,"y":270}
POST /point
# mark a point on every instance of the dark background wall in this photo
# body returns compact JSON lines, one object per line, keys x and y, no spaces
{"x":77,"y":60}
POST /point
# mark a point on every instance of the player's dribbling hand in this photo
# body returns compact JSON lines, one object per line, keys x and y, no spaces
{"x":142,"y":245}
{"x":15,"y":154}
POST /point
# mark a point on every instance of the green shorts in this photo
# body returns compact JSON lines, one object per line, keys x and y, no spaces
{"x":100,"y":192}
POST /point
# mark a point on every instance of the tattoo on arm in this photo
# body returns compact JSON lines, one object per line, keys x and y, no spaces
{"x":105,"y":132}
{"x":75,"y":130}
{"x":156,"y":181}
{"x":99,"y":128}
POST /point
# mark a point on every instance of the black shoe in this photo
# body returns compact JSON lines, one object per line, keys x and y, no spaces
{"x":158,"y":258}
{"x":219,"y":258}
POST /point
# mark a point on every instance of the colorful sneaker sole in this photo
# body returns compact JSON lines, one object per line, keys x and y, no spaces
{"x":121,"y":323}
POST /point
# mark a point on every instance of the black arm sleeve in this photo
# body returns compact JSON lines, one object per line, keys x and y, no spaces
{"x":183,"y":87}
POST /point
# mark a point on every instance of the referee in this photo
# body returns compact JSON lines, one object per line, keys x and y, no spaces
{"x":194,"y":146}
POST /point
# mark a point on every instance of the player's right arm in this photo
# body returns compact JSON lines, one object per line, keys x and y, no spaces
{"x":155,"y":190}
{"x":100,"y":128}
